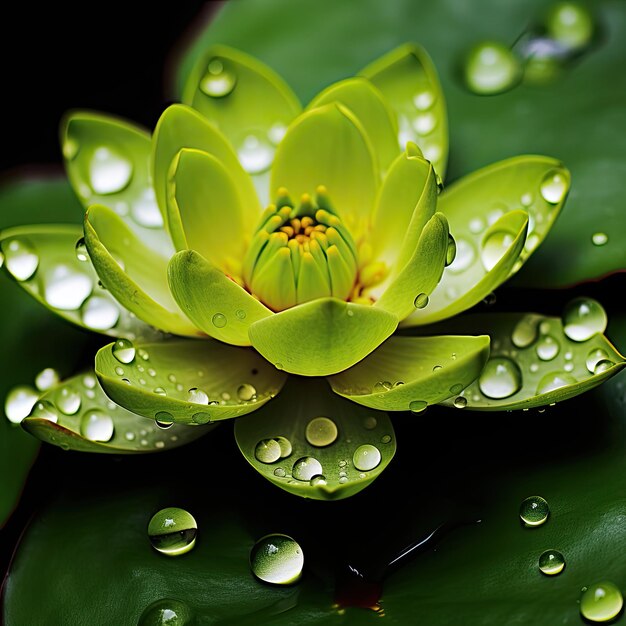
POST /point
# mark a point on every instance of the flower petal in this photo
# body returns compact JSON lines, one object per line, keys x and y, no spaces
{"x":421,"y":274}
{"x":371,"y":109}
{"x":324,"y":458}
{"x":204,"y":210}
{"x":500,"y":249}
{"x":132,"y":272}
{"x":189,"y":382}
{"x":45,"y":262}
{"x":408,"y":80}
{"x":108,"y":162}
{"x":87,"y":421}
{"x":533,"y":362}
{"x":409,"y":373}
{"x":332,"y":335}
{"x":181,"y":127}
{"x":328,"y":146}
{"x":215,"y":303}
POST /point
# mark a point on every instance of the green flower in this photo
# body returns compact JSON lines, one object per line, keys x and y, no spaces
{"x":356,"y":242}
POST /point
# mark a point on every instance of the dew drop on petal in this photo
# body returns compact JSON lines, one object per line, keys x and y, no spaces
{"x":500,"y":378}
{"x":267,"y":451}
{"x":321,"y":431}
{"x":551,"y":562}
{"x":277,"y":559}
{"x":305,"y":468}
{"x":534,"y":511}
{"x":99,"y":313}
{"x":96,"y":425}
{"x":172,"y":531}
{"x":21,"y":258}
{"x":583,"y":318}
{"x":554,"y":186}
{"x":601,"y":602}
{"x":366,"y":457}
{"x":109,"y":171}
{"x":218,"y":81}
{"x":19,"y":403}
{"x":554,"y":380}
{"x":124,"y":351}
{"x":490,"y":68}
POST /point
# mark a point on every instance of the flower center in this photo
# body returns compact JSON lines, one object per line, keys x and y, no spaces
{"x":300,"y":253}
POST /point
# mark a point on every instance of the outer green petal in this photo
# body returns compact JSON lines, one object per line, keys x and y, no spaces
{"x":132,"y":272}
{"x":204,"y":210}
{"x":371,"y":109}
{"x":551,"y":367}
{"x":157,"y":384}
{"x":422,"y":273}
{"x":321,"y":337}
{"x":68,"y":286}
{"x":108,"y":162}
{"x":409,"y":373}
{"x":457,"y":292}
{"x":407,"y":78}
{"x":214,"y":302}
{"x":181,"y":127}
{"x":288,"y":418}
{"x":406,"y":201}
{"x":79,"y":402}
{"x":328,"y":146}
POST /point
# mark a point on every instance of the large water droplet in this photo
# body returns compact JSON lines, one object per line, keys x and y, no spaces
{"x":534,"y":511}
{"x":417,"y":406}
{"x":21,"y":258}
{"x":599,"y":239}
{"x":570,"y":24}
{"x":172,"y":531}
{"x":100,"y":313}
{"x":277,"y":559}
{"x":460,"y":402}
{"x":285,"y":447}
{"x":109,"y":171}
{"x":68,"y":400}
{"x":547,"y":348}
{"x":490,"y":68}
{"x":218,"y":81}
{"x":65,"y":288}
{"x":524,"y":333}
{"x":163,"y":419}
{"x":421,"y":301}
{"x":495,"y":244}
{"x":267,"y":451}
{"x":603,"y":366}
{"x":425,"y":123}
{"x":583,"y":318}
{"x":145,"y":210}
{"x":321,"y":431}
{"x":306,"y":467}
{"x":47,"y":378}
{"x":464,"y":257}
{"x":450,"y":250}
{"x":423,"y":100}
{"x":594,"y":357}
{"x":219,"y":320}
{"x":124,"y":351}
{"x":554,"y":186}
{"x":96,"y":425}
{"x":601,"y":602}
{"x":80,"y":250}
{"x":255,"y":154}
{"x":19,"y":403}
{"x":366,"y":457}
{"x":551,"y":562}
{"x":500,"y":378}
{"x":554,"y":380}
{"x":167,"y":612}
{"x":246,"y":392}
{"x":45,"y":410}
{"x":198,"y":396}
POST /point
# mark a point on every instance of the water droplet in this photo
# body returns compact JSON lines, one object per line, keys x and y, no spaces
{"x":570,"y":24}
{"x":280,"y":472}
{"x":343,"y":480}
{"x":164,"y":420}
{"x":417,"y":406}
{"x":81,"y":250}
{"x":255,"y":154}
{"x":421,"y":301}
{"x":197,"y":396}
{"x":201,"y":418}
{"x":318,"y":480}
{"x":45,"y":410}
{"x":583,"y":318}
{"x":382,"y":386}
{"x":547,"y":348}
{"x":96,"y":425}
{"x":143,"y":354}
{"x":124,"y":351}
{"x":534,"y":511}
{"x":436,"y":368}
{"x":551,"y":562}
{"x":21,"y":258}
{"x":305,"y":468}
{"x":455,"y":389}
{"x":285,"y":446}
{"x":524,"y":333}
{"x":145,"y":210}
{"x":119,"y":371}
{"x":460,"y":402}
{"x":599,"y":239}
{"x":476,"y":225}
{"x":47,"y":378}
{"x":603,"y":366}
{"x":276,"y":133}
{"x":68,"y":400}
{"x":65,"y":288}
{"x":218,"y":81}
{"x":370,"y":422}
{"x":500,"y":378}
{"x":568,"y":367}
{"x":89,"y":381}
{"x":554,"y":186}
{"x":246,"y":392}
{"x":450,"y":250}
{"x":166,"y":612}
{"x":385,"y":439}
{"x":366,"y":457}
{"x":601,"y":602}
{"x":240,"y":314}
{"x":267,"y":451}
{"x":495,"y":244}
{"x":100,"y":313}
{"x":19,"y":403}
{"x":129,"y":435}
{"x":219,"y":320}
{"x":425,"y":123}
{"x":109,"y":171}
{"x":321,"y":431}
{"x":277,"y":559}
{"x":172,"y":531}
{"x":424,"y":100}
{"x":160,"y":391}
{"x":490,"y":68}
{"x":526,"y":200}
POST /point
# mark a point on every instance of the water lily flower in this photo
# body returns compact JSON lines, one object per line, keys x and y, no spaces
{"x":249,"y":246}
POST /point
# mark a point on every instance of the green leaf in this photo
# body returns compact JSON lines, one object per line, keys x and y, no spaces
{"x":215,"y":303}
{"x":332,"y":335}
{"x":309,"y":442}
{"x":108,"y":162}
{"x":328,"y":146}
{"x":408,"y":80}
{"x":205,"y":212}
{"x":87,"y":421}
{"x":485,"y":269}
{"x":409,"y":373}
{"x":182,"y":128}
{"x":421,"y":274}
{"x":135,"y":274}
{"x":189,"y":382}
{"x":533,"y":363}
{"x":370,"y":108}
{"x":64,"y":283}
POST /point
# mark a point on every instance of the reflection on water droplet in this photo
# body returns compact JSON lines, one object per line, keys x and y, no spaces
{"x":19,"y":403}
{"x":490,"y":68}
{"x":425,"y":123}
{"x":45,"y":410}
{"x":68,"y":400}
{"x":255,"y":154}
{"x":534,"y":511}
{"x":456,"y":388}
{"x":218,"y":80}
{"x":240,"y":314}
{"x":554,"y":380}
{"x":551,"y":562}
{"x":167,"y":612}
{"x":500,"y":378}
{"x":450,"y":250}
{"x":366,"y":457}
{"x":246,"y":392}
{"x":124,"y":351}
{"x":276,"y":133}
{"x":547,"y":348}
{"x":601,"y":601}
{"x":476,"y":225}
{"x":172,"y":531}
{"x":65,"y":288}
{"x":424,"y":100}
{"x":267,"y":451}
{"x":96,"y":425}
{"x":280,"y":472}
{"x":385,"y":439}
{"x":100,"y":313}
{"x":109,"y":171}
{"x":21,"y":258}
{"x":47,"y":379}
{"x":197,"y":396}
{"x":494,"y":246}
{"x":599,"y":239}
{"x":119,"y":371}
{"x":525,"y":333}
{"x":164,"y":420}
{"x":317,"y":481}
{"x":277,"y":559}
{"x":554,"y":186}
{"x":570,"y":24}
{"x":81,"y":250}
{"x":417,"y":406}
{"x":219,"y":320}
{"x":421,"y":301}
{"x":460,"y":402}
{"x":145,"y":210}
{"x":321,"y":431}
{"x":603,"y":366}
{"x":160,"y":391}
{"x":305,"y":468}
{"x":583,"y":318}
{"x":285,"y":446}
